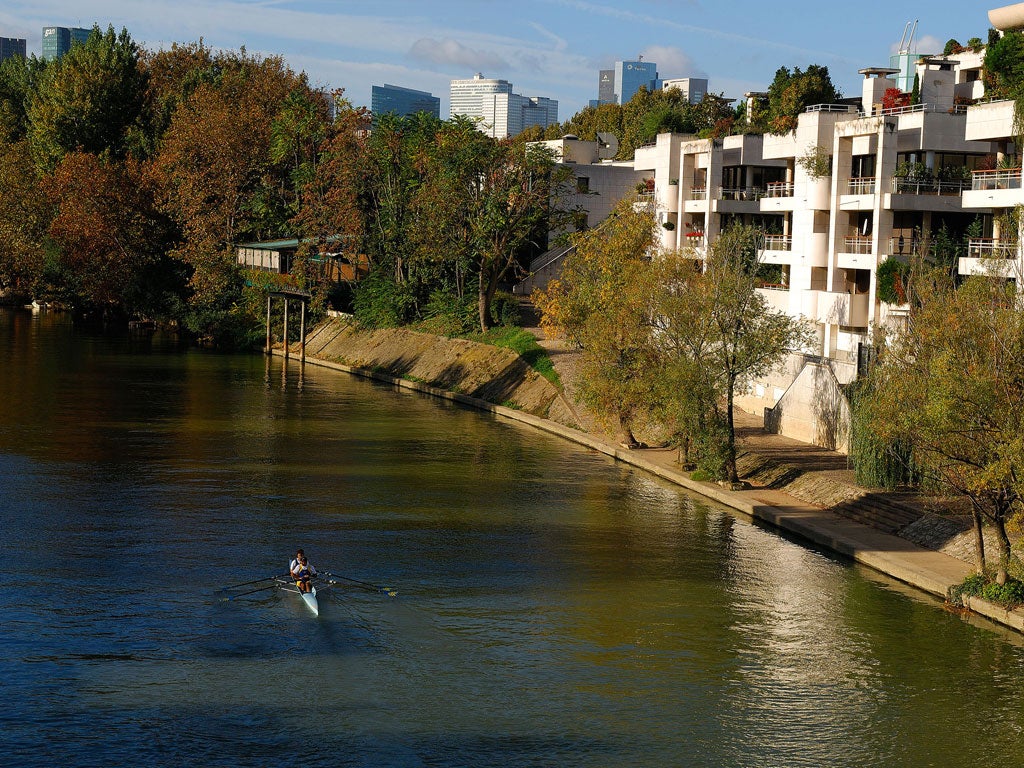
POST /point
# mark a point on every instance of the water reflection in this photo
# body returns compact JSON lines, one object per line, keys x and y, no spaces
{"x":553,"y":608}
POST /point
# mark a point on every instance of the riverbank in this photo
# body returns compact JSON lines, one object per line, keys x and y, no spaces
{"x":780,"y":492}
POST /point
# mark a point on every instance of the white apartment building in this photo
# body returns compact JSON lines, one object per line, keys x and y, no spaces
{"x":693,"y":88}
{"x":851,"y":186}
{"x":501,"y":112}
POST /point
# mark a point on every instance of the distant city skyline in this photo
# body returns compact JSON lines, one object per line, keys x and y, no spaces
{"x":550,"y":47}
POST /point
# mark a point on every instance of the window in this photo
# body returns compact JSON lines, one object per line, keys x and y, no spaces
{"x":582,"y":185}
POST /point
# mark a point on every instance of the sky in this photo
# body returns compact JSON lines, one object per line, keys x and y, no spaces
{"x":551,"y":48}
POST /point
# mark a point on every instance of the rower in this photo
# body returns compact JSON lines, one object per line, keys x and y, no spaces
{"x":303,"y":573}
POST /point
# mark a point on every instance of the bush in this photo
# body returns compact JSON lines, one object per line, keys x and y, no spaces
{"x":892,"y":281}
{"x":1008,"y":595}
{"x":380,"y":302}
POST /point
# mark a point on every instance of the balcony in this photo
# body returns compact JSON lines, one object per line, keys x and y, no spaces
{"x":744,"y":194}
{"x":1008,"y":178}
{"x":779,"y":189}
{"x":778,"y":243}
{"x":994,"y":189}
{"x":861,"y":185}
{"x":905,"y":186}
{"x":776,"y":297}
{"x":699,"y":193}
{"x":849,"y":310}
{"x":857,"y":244}
{"x":990,"y":248}
{"x":908,"y":246}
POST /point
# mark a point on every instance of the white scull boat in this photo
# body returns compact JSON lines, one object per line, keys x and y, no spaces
{"x":309,"y":598}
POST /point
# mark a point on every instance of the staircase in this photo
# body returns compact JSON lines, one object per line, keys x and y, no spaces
{"x":879,"y":510}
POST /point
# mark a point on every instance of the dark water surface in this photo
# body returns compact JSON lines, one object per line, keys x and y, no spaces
{"x":554,"y":609}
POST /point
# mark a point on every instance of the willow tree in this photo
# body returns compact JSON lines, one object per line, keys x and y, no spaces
{"x":948,"y":385}
{"x":602,"y":303}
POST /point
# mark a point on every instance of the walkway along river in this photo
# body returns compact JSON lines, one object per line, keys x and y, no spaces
{"x":334,"y":343}
{"x":554,"y":607}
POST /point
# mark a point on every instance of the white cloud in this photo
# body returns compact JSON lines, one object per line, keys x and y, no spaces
{"x":452,"y":53}
{"x":671,"y":61}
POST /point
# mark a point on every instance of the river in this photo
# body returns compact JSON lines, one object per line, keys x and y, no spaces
{"x":553,"y":608}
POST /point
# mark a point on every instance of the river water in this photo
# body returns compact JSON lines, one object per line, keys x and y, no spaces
{"x":553,"y":608}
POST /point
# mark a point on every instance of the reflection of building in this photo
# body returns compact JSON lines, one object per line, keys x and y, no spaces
{"x":12,"y":46}
{"x":58,"y":40}
{"x":402,"y":101}
{"x":501,"y":113}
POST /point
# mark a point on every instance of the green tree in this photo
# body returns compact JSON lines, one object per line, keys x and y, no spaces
{"x":792,"y":91}
{"x":745,"y":338}
{"x":947,"y":386}
{"x":25,"y":216}
{"x":1004,"y":65}
{"x":19,"y":79}
{"x":88,"y":100}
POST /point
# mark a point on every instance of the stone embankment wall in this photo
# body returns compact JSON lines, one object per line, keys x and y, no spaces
{"x":481,"y":371}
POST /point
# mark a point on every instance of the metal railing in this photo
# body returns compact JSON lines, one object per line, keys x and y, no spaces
{"x":1003,"y":178}
{"x":991,"y":248}
{"x":779,"y":189}
{"x":699,"y":193}
{"x":861,"y":185}
{"x":908,"y":245}
{"x":828,"y":108}
{"x":740,"y":193}
{"x":956,"y":109}
{"x":856,"y":244}
{"x":906,"y":186}
{"x":778,"y":243}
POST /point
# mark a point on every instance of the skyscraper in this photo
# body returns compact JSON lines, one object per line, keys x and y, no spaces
{"x":693,"y":88}
{"x":631,"y":76}
{"x":402,"y":101}
{"x":12,"y":46}
{"x":58,"y":40}
{"x":501,"y":112}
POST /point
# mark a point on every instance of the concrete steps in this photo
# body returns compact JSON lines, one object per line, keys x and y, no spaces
{"x":879,"y":510}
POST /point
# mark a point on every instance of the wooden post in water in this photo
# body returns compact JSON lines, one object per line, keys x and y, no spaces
{"x":266,"y":350}
{"x":285,"y":327}
{"x":302,"y":333}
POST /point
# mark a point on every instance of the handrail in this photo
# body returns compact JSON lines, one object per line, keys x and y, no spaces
{"x":982,"y":247}
{"x":740,"y":193}
{"x":779,"y":189}
{"x":828,"y":108}
{"x":859,"y":244}
{"x":778,"y":243}
{"x":862,"y":185}
{"x":1000,"y":178}
{"x":908,"y":186}
{"x":699,"y":193}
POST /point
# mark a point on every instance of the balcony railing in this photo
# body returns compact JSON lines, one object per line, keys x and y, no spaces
{"x":905,"y":186}
{"x":1006,"y":178}
{"x":779,"y":189}
{"x":778,"y":243}
{"x":909,"y":245}
{"x":856,"y":244}
{"x":740,"y":193}
{"x":861,"y":185}
{"x":699,"y":193}
{"x":990,"y":248}
{"x":828,"y":108}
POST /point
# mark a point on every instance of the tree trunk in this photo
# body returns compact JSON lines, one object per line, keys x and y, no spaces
{"x":979,"y":539}
{"x":1002,"y":540}
{"x":730,"y":443}
{"x":626,"y":437}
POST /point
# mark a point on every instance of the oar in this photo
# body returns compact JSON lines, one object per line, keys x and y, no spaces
{"x":250,"y":592}
{"x":376,"y":587}
{"x":254,"y":581}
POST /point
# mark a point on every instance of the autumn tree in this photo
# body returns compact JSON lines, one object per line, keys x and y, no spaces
{"x":602,"y":304}
{"x":947,"y":386}
{"x":218,"y":180}
{"x":110,"y":239}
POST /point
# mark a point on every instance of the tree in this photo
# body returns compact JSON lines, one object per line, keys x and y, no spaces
{"x":947,"y":386}
{"x":18,"y":80}
{"x":88,"y":100}
{"x":602,"y":304}
{"x":24,"y":218}
{"x":111,"y":241}
{"x":1004,"y":65}
{"x":791,"y":92}
{"x":745,"y":338}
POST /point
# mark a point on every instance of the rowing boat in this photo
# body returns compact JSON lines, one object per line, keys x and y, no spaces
{"x":309,"y":598}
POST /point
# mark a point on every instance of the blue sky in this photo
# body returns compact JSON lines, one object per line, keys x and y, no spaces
{"x":550,"y":48}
